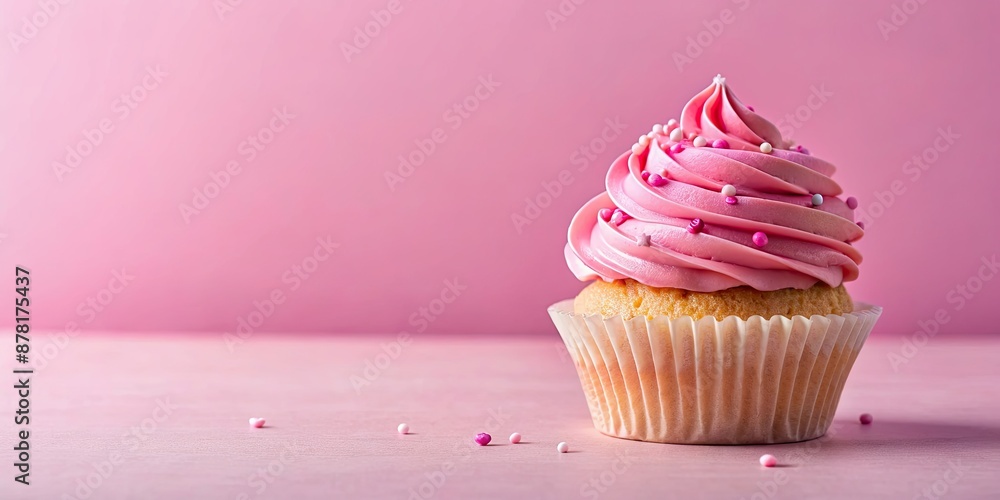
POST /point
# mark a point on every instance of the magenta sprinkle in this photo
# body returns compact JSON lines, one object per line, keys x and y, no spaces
{"x":866,"y":419}
{"x":483,"y":438}
{"x":645,"y":175}
{"x":731,"y":200}
{"x":618,"y":217}
{"x":861,"y":224}
{"x":750,"y":108}
{"x":656,"y":180}
{"x":677,"y":148}
{"x":759,"y":239}
{"x":604,"y":214}
{"x":801,"y":149}
{"x":720,"y":144}
{"x":696,"y":226}
{"x":852,"y":202}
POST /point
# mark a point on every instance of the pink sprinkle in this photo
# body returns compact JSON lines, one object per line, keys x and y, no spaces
{"x":696,"y":226}
{"x":866,"y":419}
{"x":656,"y":180}
{"x":731,"y":200}
{"x":759,"y":239}
{"x":645,"y":175}
{"x":483,"y":439}
{"x":852,"y":202}
{"x":618,"y":217}
{"x":677,"y":148}
{"x":515,"y":438}
{"x":861,"y":224}
{"x":768,"y":460}
{"x":720,"y":144}
{"x":604,"y":214}
{"x":801,"y":149}
{"x":257,"y":422}
{"x":750,"y":108}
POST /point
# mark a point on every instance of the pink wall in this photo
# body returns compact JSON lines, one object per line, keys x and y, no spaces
{"x":197,"y":80}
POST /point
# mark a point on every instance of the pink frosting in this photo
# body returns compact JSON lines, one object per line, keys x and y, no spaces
{"x":805,"y":244}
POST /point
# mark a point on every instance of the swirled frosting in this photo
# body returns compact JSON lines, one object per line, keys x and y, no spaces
{"x":668,"y":222}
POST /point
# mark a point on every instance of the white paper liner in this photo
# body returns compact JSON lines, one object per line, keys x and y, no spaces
{"x":708,"y":381}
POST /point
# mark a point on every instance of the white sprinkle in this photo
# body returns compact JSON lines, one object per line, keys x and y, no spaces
{"x":766,"y":147}
{"x":657,"y":128}
{"x":700,"y":142}
{"x":562,"y":447}
{"x":729,"y":190}
{"x":403,"y":429}
{"x":817,"y":200}
{"x":644,"y":140}
{"x":515,"y":438}
{"x":643,"y":240}
{"x":676,"y":135}
{"x":719,"y":80}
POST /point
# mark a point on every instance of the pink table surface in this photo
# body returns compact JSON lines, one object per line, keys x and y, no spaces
{"x":160,"y":416}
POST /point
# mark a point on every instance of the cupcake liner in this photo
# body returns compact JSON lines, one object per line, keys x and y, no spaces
{"x":709,"y":381}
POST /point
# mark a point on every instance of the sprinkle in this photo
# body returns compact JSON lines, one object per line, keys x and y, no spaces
{"x":696,"y":226}
{"x":765,"y":147}
{"x":642,"y":240}
{"x":700,"y":142}
{"x":515,"y":438}
{"x":604,"y":214}
{"x":257,"y":422}
{"x":483,"y":439}
{"x":852,"y":202}
{"x":671,"y":125}
{"x":562,"y":447}
{"x":403,"y":429}
{"x":801,"y":149}
{"x":817,"y":200}
{"x":731,"y":200}
{"x":866,"y":419}
{"x":861,"y":224}
{"x":750,"y":108}
{"x":759,"y":239}
{"x":645,"y":175}
{"x":719,"y":80}
{"x":618,"y":217}
{"x":656,"y":180}
{"x":768,"y":460}
{"x":720,"y":144}
{"x":676,"y":134}
{"x":657,"y":129}
{"x":677,"y":148}
{"x":729,"y":190}
{"x":643,"y":140}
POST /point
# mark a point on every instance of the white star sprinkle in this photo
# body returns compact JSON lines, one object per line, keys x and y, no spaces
{"x":719,"y":79}
{"x":643,"y":240}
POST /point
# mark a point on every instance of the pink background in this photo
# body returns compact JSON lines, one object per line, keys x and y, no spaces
{"x":324,"y":173}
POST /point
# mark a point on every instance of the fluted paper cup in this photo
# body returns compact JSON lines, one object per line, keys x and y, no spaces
{"x":708,"y":381}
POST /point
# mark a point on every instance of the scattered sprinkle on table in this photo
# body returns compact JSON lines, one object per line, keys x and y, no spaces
{"x":866,"y":418}
{"x":768,"y":460}
{"x":515,"y":438}
{"x":562,"y":447}
{"x":483,"y":438}
{"x":257,"y":422}
{"x":403,"y":429}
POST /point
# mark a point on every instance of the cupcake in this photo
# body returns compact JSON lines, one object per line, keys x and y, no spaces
{"x":717,"y":312}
